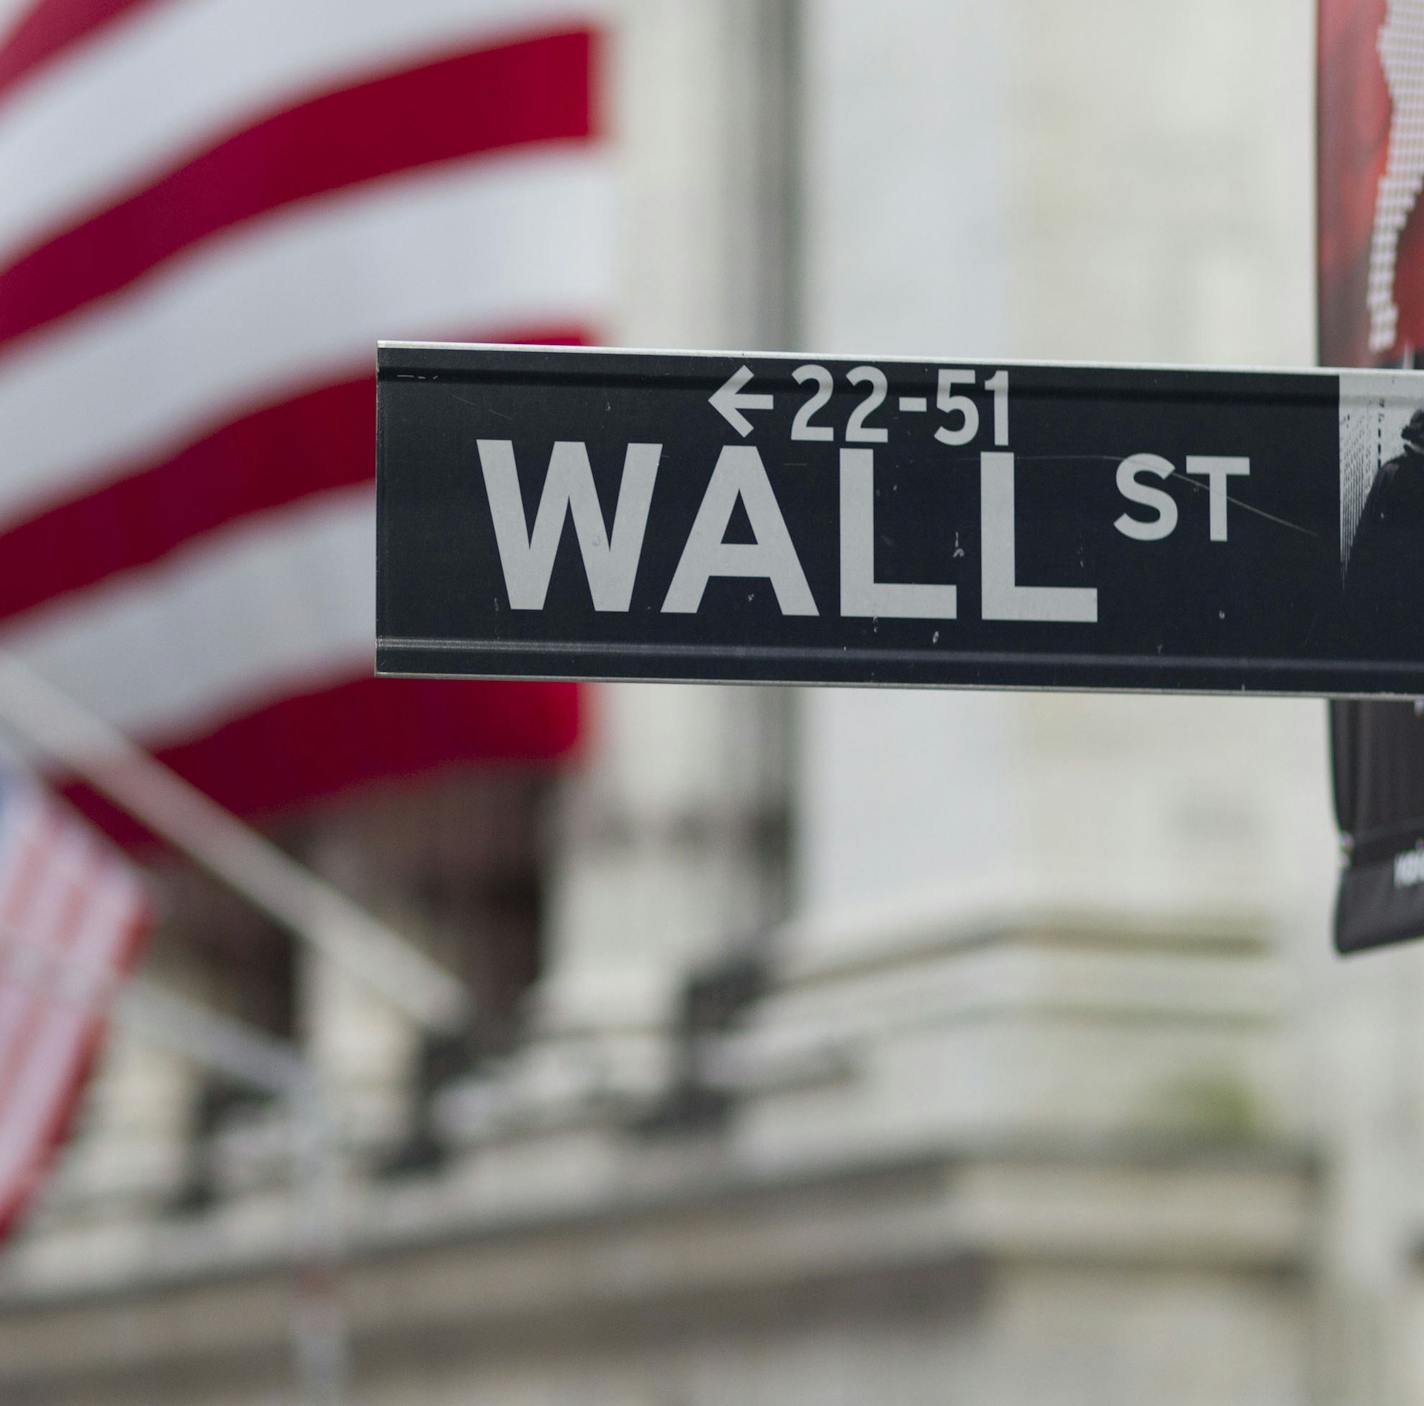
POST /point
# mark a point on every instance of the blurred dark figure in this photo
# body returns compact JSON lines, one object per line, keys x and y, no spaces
{"x":1384,"y":581}
{"x":1377,"y":750}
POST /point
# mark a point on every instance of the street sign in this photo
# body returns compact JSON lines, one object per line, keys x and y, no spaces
{"x":804,"y":519}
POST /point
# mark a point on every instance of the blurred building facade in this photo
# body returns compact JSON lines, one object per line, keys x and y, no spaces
{"x":836,"y":1044}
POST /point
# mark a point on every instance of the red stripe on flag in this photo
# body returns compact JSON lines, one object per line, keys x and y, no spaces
{"x":488,"y":100}
{"x":267,"y":459}
{"x":51,"y":26}
{"x":319,"y":744}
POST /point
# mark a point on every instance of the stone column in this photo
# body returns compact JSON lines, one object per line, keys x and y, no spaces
{"x":672,"y":836}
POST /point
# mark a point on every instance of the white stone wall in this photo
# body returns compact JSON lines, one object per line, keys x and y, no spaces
{"x":1114,"y":181}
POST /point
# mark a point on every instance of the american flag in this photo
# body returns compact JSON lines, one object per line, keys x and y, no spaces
{"x":211,"y":211}
{"x":73,"y":914}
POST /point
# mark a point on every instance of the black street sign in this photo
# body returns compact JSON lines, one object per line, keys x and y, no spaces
{"x":799,"y":519}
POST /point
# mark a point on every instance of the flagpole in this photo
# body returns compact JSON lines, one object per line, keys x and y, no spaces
{"x":226,"y":1046}
{"x":320,"y":1343}
{"x":305,"y":905}
{"x":271,"y":880}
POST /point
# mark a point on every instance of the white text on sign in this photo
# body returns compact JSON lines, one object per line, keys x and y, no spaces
{"x":612,"y":558}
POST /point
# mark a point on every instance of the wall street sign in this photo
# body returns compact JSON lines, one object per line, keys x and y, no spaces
{"x":559,"y":513}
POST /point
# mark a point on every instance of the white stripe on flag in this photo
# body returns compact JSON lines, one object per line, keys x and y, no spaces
{"x":299,"y":298}
{"x":277,"y":603}
{"x":126,"y":104}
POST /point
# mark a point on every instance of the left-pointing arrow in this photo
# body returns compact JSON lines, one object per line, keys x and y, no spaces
{"x":729,"y":401}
